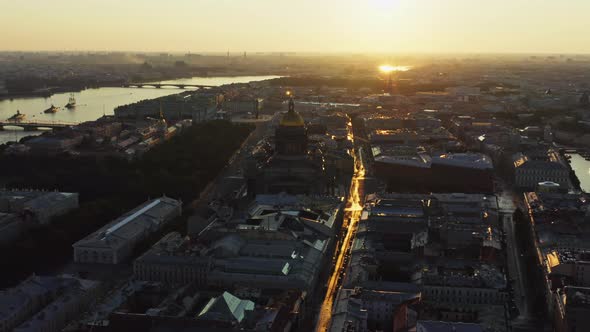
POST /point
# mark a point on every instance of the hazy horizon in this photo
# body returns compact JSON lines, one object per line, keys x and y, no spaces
{"x":305,"y":26}
{"x":240,"y":53}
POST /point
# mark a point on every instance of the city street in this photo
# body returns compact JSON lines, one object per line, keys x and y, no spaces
{"x":353,"y":210}
{"x":508,"y":202}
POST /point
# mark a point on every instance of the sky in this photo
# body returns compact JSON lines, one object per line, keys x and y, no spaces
{"x":358,"y":26}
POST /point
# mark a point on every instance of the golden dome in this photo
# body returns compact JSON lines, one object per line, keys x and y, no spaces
{"x":292,"y":119}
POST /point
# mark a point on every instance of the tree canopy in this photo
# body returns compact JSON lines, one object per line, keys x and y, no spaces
{"x":180,"y":168}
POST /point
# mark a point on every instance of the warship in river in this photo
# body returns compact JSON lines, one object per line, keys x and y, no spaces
{"x":18,"y":116}
{"x":51,"y":109}
{"x":71,"y":102}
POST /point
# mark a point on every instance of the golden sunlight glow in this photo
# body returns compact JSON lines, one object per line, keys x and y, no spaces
{"x":388,"y":68}
{"x":367,"y":26}
{"x":352,"y":215}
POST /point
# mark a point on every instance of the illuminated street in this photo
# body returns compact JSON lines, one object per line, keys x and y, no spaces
{"x":351,"y":217}
{"x":325,"y":166}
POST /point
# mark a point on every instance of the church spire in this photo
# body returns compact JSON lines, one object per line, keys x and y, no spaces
{"x":292,"y":118}
{"x":291,"y":105}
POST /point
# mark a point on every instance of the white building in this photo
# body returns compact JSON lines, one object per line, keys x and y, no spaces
{"x":114,"y":242}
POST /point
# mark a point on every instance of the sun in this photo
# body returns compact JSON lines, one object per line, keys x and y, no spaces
{"x":386,"y":68}
{"x":389,"y":68}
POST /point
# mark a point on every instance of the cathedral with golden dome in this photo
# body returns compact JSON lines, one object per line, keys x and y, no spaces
{"x":292,"y":168}
{"x":292,"y":118}
{"x":291,"y":134}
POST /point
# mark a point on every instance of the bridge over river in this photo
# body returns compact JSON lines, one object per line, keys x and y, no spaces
{"x":36,"y":125}
{"x":171,"y":85}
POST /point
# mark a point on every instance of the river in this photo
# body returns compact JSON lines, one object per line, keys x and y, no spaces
{"x":582,"y":168}
{"x":93,"y":103}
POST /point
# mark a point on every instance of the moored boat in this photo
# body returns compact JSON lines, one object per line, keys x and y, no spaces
{"x":18,"y":116}
{"x":51,"y":109}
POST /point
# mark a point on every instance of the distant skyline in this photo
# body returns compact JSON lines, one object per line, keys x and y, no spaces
{"x":357,"y":26}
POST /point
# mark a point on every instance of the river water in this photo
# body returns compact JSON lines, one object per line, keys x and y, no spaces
{"x":93,"y":103}
{"x":582,"y":168}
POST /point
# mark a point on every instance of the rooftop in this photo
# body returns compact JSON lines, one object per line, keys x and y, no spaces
{"x":577,"y":296}
{"x":50,"y":200}
{"x":226,"y":307}
{"x":470,"y":160}
{"x":464,"y":274}
{"x":147,"y":216}
{"x":40,"y":290}
{"x":34,"y":199}
{"x":438,"y":326}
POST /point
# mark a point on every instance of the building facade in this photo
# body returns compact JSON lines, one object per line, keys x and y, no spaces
{"x":529,"y":172}
{"x":114,"y":243}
